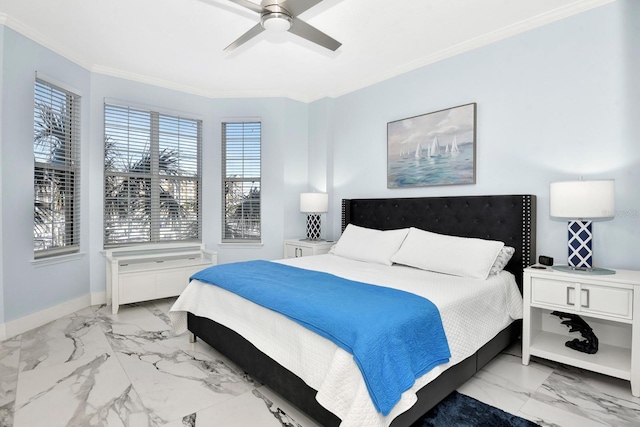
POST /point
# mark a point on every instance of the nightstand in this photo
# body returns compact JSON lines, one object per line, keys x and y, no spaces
{"x":294,"y":248}
{"x":610,"y":304}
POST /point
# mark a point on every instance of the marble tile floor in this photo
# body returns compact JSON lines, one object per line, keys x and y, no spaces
{"x":95,"y":368}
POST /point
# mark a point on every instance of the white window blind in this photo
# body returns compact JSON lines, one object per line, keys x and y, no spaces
{"x":56,"y":149}
{"x":152,"y":177}
{"x":241,"y":181}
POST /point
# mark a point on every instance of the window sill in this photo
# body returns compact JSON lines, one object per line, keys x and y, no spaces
{"x":240,"y":245}
{"x":43,"y":262}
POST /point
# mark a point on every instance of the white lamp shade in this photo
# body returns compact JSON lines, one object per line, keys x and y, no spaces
{"x":582,"y":199}
{"x":314,"y":202}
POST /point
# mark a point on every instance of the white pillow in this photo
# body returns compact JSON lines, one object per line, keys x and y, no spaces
{"x":502,"y":259}
{"x":458,"y":256}
{"x":369,"y":245}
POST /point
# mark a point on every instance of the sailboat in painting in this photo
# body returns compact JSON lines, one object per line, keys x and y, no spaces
{"x":454,"y":147}
{"x":435,"y":148}
{"x":418,"y":154}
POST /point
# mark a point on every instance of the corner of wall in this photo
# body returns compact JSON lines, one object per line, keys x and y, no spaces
{"x":2,"y":329}
{"x":320,"y":158}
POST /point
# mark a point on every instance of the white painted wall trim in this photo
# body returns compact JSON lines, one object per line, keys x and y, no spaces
{"x":98,"y":298}
{"x":31,"y":321}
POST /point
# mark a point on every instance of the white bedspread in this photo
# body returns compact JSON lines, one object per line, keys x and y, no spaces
{"x":473,"y":311}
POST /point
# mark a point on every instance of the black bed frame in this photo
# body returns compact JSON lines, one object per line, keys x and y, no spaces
{"x":508,"y":218}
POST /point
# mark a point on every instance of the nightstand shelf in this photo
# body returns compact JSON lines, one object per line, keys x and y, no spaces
{"x":609,"y":360}
{"x":295,"y":248}
{"x":609,"y":304}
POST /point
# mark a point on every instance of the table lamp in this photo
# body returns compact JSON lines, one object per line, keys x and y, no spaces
{"x":582,"y":201}
{"x":313,"y":204}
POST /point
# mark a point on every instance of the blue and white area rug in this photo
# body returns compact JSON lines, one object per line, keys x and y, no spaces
{"x":459,"y":410}
{"x":456,"y":410}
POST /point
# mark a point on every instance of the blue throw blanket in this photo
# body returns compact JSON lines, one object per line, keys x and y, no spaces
{"x":394,"y":336}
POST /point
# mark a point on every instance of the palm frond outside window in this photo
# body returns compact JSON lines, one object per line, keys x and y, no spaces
{"x":152,"y":177}
{"x":56,"y":148}
{"x":241,"y":177}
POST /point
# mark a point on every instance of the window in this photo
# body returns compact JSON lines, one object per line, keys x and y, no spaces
{"x":152,"y":177}
{"x":241,"y":181}
{"x":56,"y":153}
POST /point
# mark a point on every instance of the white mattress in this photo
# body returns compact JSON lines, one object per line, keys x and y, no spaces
{"x":473,"y":311}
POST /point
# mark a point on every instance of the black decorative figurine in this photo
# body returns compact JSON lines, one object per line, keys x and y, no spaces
{"x":576,"y":323}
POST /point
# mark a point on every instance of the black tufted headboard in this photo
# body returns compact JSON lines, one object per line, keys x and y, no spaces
{"x":508,"y":218}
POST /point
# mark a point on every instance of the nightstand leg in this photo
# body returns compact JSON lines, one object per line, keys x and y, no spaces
{"x":526,"y":356}
{"x":526,"y":322}
{"x":192,"y":337}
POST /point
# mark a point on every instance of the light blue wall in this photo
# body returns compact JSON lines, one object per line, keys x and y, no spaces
{"x":320,"y":154}
{"x":1,"y":180}
{"x":28,"y":288}
{"x":554,"y":103}
{"x":631,"y":34}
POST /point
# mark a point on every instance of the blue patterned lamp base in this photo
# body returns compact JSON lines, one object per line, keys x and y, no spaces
{"x":580,"y":240}
{"x":313,"y":227}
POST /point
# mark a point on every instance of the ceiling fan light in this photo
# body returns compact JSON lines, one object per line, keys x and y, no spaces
{"x":276,"y":21}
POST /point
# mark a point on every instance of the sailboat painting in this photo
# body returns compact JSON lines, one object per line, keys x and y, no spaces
{"x":437,"y":148}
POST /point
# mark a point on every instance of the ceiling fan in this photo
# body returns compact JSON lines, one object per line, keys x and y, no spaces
{"x":282,"y":15}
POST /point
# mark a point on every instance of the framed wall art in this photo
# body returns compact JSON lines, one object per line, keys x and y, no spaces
{"x":437,"y":148}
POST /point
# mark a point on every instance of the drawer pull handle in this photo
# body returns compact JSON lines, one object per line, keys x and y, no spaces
{"x":587,"y":304}
{"x":569,"y":288}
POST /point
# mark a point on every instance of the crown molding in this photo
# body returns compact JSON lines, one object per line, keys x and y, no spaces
{"x":112,"y":72}
{"x":45,"y":41}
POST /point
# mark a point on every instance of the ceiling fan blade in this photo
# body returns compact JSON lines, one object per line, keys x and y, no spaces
{"x":254,"y":31}
{"x":306,"y":31}
{"x":249,"y":5}
{"x":296,"y":7}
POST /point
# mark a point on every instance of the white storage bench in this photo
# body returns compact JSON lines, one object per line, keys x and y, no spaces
{"x":141,"y":273}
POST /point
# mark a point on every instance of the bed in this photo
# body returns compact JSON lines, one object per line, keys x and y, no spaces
{"x":506,"y":218}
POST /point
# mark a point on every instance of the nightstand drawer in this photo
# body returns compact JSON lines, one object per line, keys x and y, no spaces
{"x":555,"y":293}
{"x":607,"y":301}
{"x":295,"y":251}
{"x":582,"y":298}
{"x":294,"y":248}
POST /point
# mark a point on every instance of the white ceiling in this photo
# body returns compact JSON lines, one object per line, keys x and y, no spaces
{"x":179,"y":44}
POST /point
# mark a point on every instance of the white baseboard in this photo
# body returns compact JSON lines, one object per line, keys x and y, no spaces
{"x":31,"y":321}
{"x":98,"y":298}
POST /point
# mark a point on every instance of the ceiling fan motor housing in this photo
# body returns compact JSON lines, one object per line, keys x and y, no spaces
{"x":275,"y":17}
